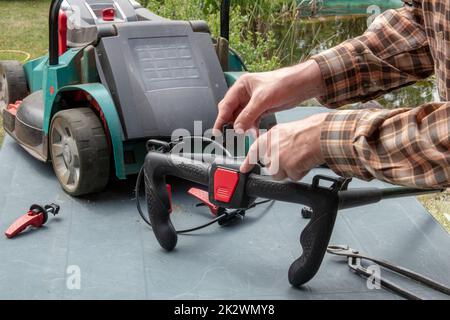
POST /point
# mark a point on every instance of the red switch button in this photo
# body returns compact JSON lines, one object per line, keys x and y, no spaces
{"x":108,"y":14}
{"x":225,"y":184}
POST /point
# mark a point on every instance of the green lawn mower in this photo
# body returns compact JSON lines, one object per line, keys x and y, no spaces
{"x":116,"y":75}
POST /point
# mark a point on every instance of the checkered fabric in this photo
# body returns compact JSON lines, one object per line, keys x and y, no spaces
{"x":408,"y":146}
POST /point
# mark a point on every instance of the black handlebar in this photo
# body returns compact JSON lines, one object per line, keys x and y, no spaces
{"x":53,"y":32}
{"x":314,"y":239}
{"x":316,"y":236}
{"x":324,"y":201}
{"x":157,"y":167}
{"x":225,"y":19}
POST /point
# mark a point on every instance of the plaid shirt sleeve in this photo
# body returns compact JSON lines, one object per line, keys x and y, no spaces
{"x":409,"y":147}
{"x":394,"y":52}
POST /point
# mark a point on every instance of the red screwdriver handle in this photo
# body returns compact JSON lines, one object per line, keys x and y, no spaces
{"x":32,"y":218}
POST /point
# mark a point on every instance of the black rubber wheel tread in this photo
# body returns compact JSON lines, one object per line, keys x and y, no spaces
{"x":94,"y":155}
{"x":16,"y":79}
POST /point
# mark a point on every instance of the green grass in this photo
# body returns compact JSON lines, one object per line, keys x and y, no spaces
{"x":439,"y":207}
{"x":24,"y":24}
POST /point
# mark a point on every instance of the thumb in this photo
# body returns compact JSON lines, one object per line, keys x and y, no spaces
{"x":251,"y":159}
{"x":257,"y":149}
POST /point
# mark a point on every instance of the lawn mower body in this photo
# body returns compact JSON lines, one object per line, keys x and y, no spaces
{"x":142,"y":75}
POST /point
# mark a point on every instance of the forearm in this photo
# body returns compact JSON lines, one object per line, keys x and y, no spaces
{"x":297,"y":84}
{"x":409,"y":147}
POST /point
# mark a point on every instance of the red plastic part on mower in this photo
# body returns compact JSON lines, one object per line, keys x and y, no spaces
{"x":12,"y":108}
{"x":203,"y":196}
{"x":108,"y":14}
{"x":62,"y":33}
{"x":169,"y":190}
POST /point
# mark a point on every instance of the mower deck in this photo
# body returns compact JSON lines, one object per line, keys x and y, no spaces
{"x":119,"y":257}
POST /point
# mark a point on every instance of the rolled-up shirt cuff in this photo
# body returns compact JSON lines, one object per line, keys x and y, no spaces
{"x":337,"y":144}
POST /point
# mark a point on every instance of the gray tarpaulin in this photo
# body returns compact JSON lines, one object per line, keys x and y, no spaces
{"x":118,"y":257}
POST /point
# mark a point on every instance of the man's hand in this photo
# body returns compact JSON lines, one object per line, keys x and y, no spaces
{"x":289,"y":150}
{"x":254,"y":95}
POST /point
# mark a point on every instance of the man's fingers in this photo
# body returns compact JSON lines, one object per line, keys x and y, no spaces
{"x":257,"y":150}
{"x":225,"y":114}
{"x":249,"y":115}
{"x":222,"y":119}
{"x":236,"y":97}
{"x":254,"y":131}
{"x":252,"y":158}
{"x":279,"y":175}
{"x":248,"y":164}
{"x":297,"y":176}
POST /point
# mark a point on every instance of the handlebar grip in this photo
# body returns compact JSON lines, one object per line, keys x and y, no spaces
{"x":314,"y":240}
{"x":316,"y":236}
{"x":157,"y":167}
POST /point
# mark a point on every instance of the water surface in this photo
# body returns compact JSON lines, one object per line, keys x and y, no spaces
{"x":300,"y":39}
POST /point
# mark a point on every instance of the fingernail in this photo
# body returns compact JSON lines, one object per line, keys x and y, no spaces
{"x":239,"y":130}
{"x":253,"y":133}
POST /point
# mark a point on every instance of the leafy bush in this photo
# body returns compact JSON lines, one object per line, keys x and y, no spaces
{"x":248,"y":36}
